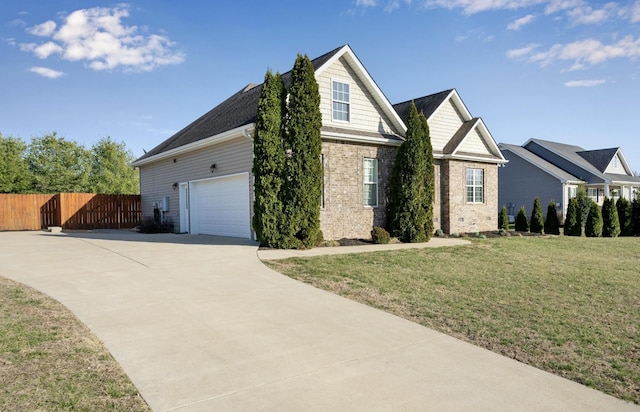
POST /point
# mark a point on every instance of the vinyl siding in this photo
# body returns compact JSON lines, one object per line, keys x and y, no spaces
{"x":563,"y":164}
{"x":520,"y":183}
{"x":474,"y":144}
{"x":365,"y":113}
{"x":443,"y":124}
{"x":157,"y":179}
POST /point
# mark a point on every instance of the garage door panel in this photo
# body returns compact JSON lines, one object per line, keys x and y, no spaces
{"x":221,"y":206}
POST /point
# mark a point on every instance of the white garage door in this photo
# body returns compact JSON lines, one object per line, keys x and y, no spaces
{"x":220,"y":206}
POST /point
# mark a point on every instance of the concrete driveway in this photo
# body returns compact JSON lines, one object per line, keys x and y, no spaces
{"x":200,"y":324}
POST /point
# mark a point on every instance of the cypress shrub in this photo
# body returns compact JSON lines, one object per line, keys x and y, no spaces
{"x":623,"y":206}
{"x":593,"y":225}
{"x":504,"y":219}
{"x":610,"y":223}
{"x":407,"y":194}
{"x":429,"y":176}
{"x":635,"y":216}
{"x":584,"y":204}
{"x":572,"y":225}
{"x":522,"y":224}
{"x":551,"y":224}
{"x":303,"y":168}
{"x":537,"y":221}
{"x":268,"y":161}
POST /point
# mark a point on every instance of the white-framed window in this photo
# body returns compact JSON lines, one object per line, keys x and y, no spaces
{"x":322,"y":196}
{"x":573,"y":192}
{"x":370,"y":173}
{"x":341,"y":101}
{"x":615,"y":161}
{"x":592,"y":192}
{"x":475,"y":185}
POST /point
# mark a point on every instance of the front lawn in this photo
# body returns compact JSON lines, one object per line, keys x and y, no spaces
{"x":567,"y":305}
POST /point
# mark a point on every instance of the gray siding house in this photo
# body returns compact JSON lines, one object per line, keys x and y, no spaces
{"x":200,"y":178}
{"x":553,"y":171}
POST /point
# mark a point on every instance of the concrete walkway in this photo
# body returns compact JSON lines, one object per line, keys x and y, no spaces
{"x":200,"y":324}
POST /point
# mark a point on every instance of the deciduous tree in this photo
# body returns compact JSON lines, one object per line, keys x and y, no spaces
{"x":14,"y":171}
{"x":110,"y":170}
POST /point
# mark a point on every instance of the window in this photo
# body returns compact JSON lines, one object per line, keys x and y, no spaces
{"x":615,"y":161}
{"x":341,"y":100}
{"x":573,"y":192}
{"x":592,"y":192}
{"x":322,"y":165}
{"x":475,"y":185}
{"x":370,"y":172}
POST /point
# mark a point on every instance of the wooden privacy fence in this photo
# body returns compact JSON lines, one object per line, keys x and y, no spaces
{"x":70,"y":211}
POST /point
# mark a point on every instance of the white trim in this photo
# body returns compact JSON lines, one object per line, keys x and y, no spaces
{"x":365,"y":182}
{"x":369,"y":83}
{"x":473,"y":158}
{"x":242,"y":131}
{"x":486,"y":137}
{"x":347,"y":102}
{"x":218,"y":177}
{"x":458,"y":103}
{"x":360,"y":139}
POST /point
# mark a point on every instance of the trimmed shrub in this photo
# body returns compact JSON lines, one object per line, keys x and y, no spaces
{"x":584,"y":204}
{"x":623,"y":206}
{"x":522,"y":224}
{"x":380,"y":236}
{"x":504,"y":219}
{"x":551,"y":223}
{"x":537,"y":221}
{"x":593,"y":226}
{"x":610,"y":223}
{"x":572,"y":225}
{"x":635,"y":216}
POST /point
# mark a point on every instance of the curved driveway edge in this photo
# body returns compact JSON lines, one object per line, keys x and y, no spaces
{"x":200,"y":324}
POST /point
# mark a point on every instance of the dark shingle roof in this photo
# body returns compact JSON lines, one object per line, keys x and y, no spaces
{"x":600,"y":159}
{"x":427,"y":104}
{"x":539,"y":162}
{"x":457,"y":138}
{"x":238,"y":110}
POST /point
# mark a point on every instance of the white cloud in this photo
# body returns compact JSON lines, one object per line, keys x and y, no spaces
{"x":516,"y":24}
{"x":366,"y":3}
{"x":98,"y":37}
{"x":585,"y":83}
{"x":45,"y":72}
{"x":44,"y":30}
{"x":587,"y":15}
{"x":515,"y":53}
{"x":477,"y":6}
{"x":635,"y":12}
{"x":555,"y":6}
{"x":588,"y":52}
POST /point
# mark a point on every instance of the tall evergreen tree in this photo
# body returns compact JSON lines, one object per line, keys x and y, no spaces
{"x":504,"y":218}
{"x":593,"y":225}
{"x":572,"y":225}
{"x":584,"y":205}
{"x":58,"y":165}
{"x":537,"y":221}
{"x":610,"y":222}
{"x":429,"y":179}
{"x":110,"y":170}
{"x":522,"y":223}
{"x":551,"y":223}
{"x":407,"y":194}
{"x":14,"y":172}
{"x":624,"y":216}
{"x":268,"y":161}
{"x":635,"y":215}
{"x":303,"y":169}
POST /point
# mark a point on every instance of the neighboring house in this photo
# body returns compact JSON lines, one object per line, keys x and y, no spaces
{"x":200,"y":178}
{"x":553,"y":171}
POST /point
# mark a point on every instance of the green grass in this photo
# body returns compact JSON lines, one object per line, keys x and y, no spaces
{"x":50,"y":361}
{"x":570,"y":306}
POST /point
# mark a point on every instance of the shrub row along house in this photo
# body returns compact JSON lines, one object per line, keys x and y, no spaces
{"x":553,"y":171}
{"x":200,"y":179}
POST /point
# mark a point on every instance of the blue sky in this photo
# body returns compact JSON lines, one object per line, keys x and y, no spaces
{"x":562,"y":70}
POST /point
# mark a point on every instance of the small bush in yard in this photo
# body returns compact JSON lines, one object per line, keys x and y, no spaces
{"x":610,"y":222}
{"x":439,"y":233}
{"x":522,"y":224}
{"x":623,"y":207}
{"x":380,"y":236}
{"x":593,"y":226}
{"x":504,"y":219}
{"x":571,"y":222}
{"x":537,"y":221}
{"x":551,"y":224}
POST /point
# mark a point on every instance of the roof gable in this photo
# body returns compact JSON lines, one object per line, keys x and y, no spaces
{"x":600,"y":159}
{"x":540,"y":163}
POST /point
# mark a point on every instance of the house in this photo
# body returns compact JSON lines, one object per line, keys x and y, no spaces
{"x":553,"y":171}
{"x":200,"y":178}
